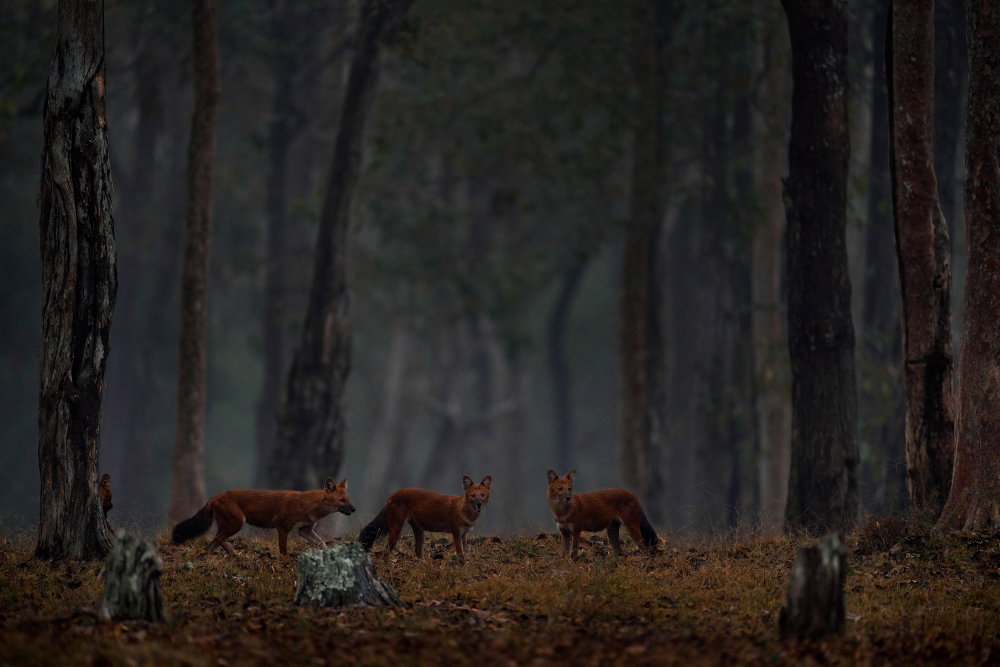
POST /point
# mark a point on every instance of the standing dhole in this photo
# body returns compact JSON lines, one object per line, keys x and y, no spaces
{"x":431,"y":512}
{"x":266,"y":509}
{"x":596,"y":511}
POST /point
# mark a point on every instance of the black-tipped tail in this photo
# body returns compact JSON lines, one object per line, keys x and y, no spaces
{"x":193,"y":527}
{"x":373,"y":530}
{"x":648,"y":534}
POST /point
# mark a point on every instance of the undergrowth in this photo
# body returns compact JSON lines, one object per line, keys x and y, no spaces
{"x":913,"y":597}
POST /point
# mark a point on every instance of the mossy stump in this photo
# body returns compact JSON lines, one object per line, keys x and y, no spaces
{"x":341,"y":576}
{"x":132,"y":581}
{"x":815,"y":605}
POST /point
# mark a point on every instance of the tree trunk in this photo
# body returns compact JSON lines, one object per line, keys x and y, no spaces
{"x":815,"y":604}
{"x":974,"y":502}
{"x":950,"y":63}
{"x":341,"y":576}
{"x":559,"y":371}
{"x":79,"y":286}
{"x":924,"y":253}
{"x":189,"y":442}
{"x":638,"y":314}
{"x":311,"y":423}
{"x":882,"y":410}
{"x":386,"y":443}
{"x":132,"y":582}
{"x":280,"y":136}
{"x":823,"y":485}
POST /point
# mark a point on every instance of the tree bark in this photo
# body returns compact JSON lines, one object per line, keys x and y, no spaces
{"x":559,"y":371}
{"x":132,"y":588}
{"x":311,"y":417}
{"x":823,"y":486}
{"x":341,"y":576}
{"x":79,"y":286}
{"x":974,"y":502}
{"x":882,"y":411}
{"x":639,"y":327}
{"x":950,"y":64}
{"x":189,"y":442}
{"x":815,"y":603}
{"x":924,"y":253}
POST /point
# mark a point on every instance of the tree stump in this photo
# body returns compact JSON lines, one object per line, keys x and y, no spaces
{"x":815,"y":605}
{"x":341,"y":576}
{"x":132,"y":581}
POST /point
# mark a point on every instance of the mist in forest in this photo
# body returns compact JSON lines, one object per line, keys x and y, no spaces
{"x":487,"y":247}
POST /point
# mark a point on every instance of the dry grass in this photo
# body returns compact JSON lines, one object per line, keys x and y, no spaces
{"x":924,"y":598}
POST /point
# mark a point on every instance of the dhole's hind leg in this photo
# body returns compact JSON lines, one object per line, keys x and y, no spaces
{"x":632,"y":525}
{"x":282,"y":541}
{"x":418,"y":539}
{"x":613,"y":537}
{"x":308,"y":533}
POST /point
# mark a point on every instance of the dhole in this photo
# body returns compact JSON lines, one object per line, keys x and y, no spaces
{"x":266,"y":509}
{"x":431,"y":512}
{"x":596,"y":511}
{"x":106,"y":505}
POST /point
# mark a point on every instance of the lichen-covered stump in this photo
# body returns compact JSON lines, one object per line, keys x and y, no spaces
{"x":341,"y":576}
{"x":815,"y":605}
{"x":132,"y":581}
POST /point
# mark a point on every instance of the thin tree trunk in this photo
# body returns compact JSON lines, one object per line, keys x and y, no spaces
{"x":189,"y":443}
{"x":638,"y":315}
{"x":882,"y":410}
{"x":924,"y":253}
{"x":974,"y":502}
{"x":79,"y":286}
{"x":311,"y":423}
{"x":950,"y":63}
{"x":823,"y":485}
{"x":559,"y":371}
{"x":281,"y":134}
{"x":384,"y":452}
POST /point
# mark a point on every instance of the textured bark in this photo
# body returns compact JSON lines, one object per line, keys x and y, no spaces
{"x":559,"y":371}
{"x":311,"y":416}
{"x":341,"y":576}
{"x":924,"y":253}
{"x":79,"y":286}
{"x":823,"y":486}
{"x":974,"y":502}
{"x":281,"y":132}
{"x":882,"y":408}
{"x":815,"y":605}
{"x":189,"y":443}
{"x":132,"y":582}
{"x":639,"y":329}
{"x":774,"y":411}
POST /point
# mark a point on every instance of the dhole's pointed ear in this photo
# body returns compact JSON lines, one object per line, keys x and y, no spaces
{"x":330,"y":484}
{"x":467,"y":482}
{"x":552,"y":476}
{"x":571,"y":475}
{"x":343,"y":484}
{"x":487,"y":481}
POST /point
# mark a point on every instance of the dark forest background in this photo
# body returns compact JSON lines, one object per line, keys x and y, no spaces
{"x":486,"y":248}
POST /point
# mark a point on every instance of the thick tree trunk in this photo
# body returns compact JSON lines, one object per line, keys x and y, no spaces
{"x":924,"y":253}
{"x":815,"y":602}
{"x":311,"y":416}
{"x":823,"y":485}
{"x":559,"y":371}
{"x":280,"y":136}
{"x":189,"y":442}
{"x":974,"y":502}
{"x":639,"y":328}
{"x":79,"y":286}
{"x":882,"y":411}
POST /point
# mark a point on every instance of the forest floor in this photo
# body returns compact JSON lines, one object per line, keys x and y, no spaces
{"x":913,"y":597}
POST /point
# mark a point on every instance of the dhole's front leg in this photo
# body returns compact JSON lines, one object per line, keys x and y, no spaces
{"x":576,"y":541}
{"x":308,"y":533}
{"x":567,"y":539}
{"x":613,"y":537}
{"x":459,"y":551}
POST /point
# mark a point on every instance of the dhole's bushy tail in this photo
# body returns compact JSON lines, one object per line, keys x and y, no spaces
{"x":195,"y":526}
{"x":648,"y":534}
{"x":371,"y":532}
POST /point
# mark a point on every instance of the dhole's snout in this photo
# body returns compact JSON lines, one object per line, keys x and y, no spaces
{"x":478,"y":505}
{"x":349,"y":510}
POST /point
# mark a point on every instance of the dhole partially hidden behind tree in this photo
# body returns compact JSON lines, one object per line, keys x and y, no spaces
{"x":606,"y":509}
{"x":266,"y":509}
{"x":431,"y":512}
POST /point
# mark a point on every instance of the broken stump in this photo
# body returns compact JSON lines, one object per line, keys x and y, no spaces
{"x":341,"y":576}
{"x":132,"y":581}
{"x":815,"y":605}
